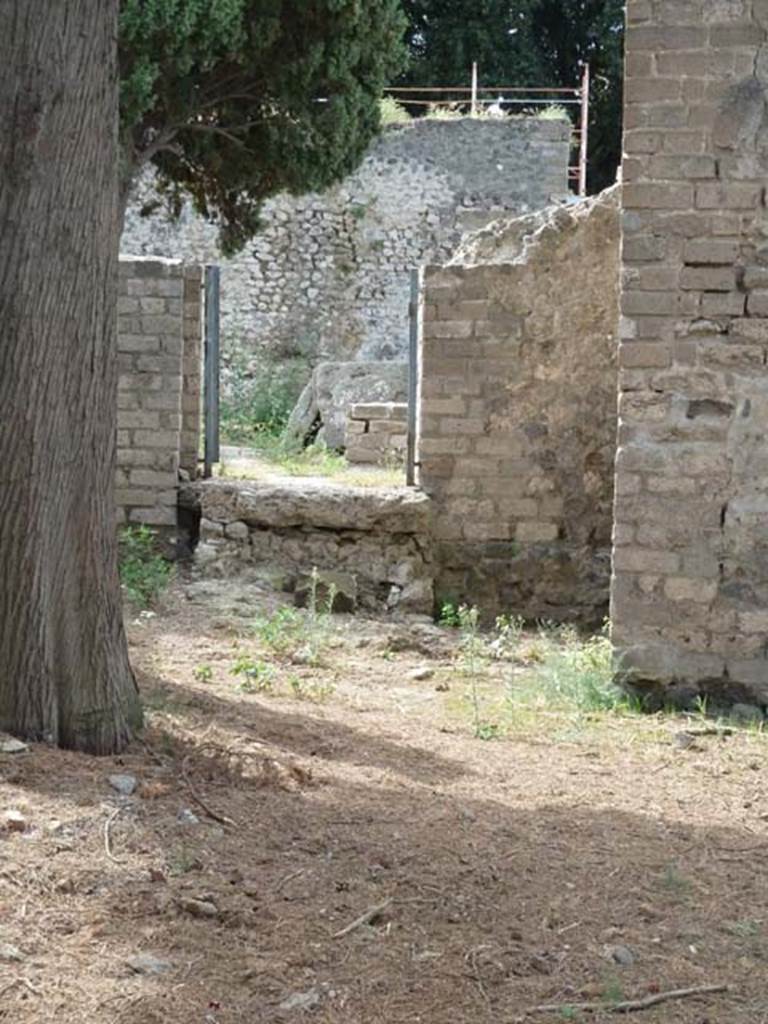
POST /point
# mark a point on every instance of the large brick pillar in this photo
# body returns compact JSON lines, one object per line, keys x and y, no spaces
{"x":690,"y":581}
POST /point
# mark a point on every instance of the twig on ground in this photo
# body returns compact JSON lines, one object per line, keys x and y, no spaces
{"x":471,"y":958}
{"x":221,"y":818}
{"x":629,"y":1005}
{"x":711,"y":730}
{"x":107,"y":844}
{"x":568,"y":928}
{"x":365,"y":918}
{"x":288,"y":878}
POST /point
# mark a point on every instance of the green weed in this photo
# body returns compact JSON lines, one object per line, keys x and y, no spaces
{"x":508,"y":634}
{"x":392,"y":112}
{"x":318,"y":625}
{"x":472,"y":659}
{"x":282,"y":631}
{"x":570,"y":674}
{"x":674,"y":882}
{"x":203,"y":673}
{"x":257,"y":399}
{"x":144,"y":573}
{"x":449,"y":615}
{"x":745,"y":928}
{"x":290,"y":632}
{"x":257,"y":676}
{"x":181,"y":860}
{"x":316,"y":691}
{"x":552,"y":112}
{"x":613,"y":992}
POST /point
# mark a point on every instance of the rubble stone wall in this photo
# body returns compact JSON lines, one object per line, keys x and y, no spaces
{"x":517,"y":413}
{"x":690,"y":584}
{"x":378,"y":537}
{"x":326,"y":278}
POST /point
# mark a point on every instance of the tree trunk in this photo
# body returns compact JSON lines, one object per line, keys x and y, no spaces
{"x":64,"y":671}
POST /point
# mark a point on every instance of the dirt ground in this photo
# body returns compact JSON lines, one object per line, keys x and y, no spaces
{"x":360,"y":857}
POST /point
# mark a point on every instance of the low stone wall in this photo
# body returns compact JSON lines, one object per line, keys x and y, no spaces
{"x":378,"y":537}
{"x":517,"y":413}
{"x":377,"y":433}
{"x":159,"y":324}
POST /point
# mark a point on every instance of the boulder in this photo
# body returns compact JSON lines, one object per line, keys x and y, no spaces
{"x":323,"y":406}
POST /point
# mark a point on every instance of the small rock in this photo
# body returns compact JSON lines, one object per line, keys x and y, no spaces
{"x":421,"y":673}
{"x":684,"y":740}
{"x":198,"y":908}
{"x":301,"y":1000}
{"x":15,"y":821}
{"x":10,"y":745}
{"x":10,"y":954}
{"x":622,"y":955}
{"x":303,"y":656}
{"x":187,"y":817}
{"x":236,"y":531}
{"x":146,"y":963}
{"x":442,"y":687}
{"x":123,"y":784}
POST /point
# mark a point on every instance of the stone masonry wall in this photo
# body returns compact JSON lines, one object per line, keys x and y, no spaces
{"x":327,"y":275}
{"x":690,"y":586}
{"x":377,"y":432}
{"x":157,"y":341}
{"x":517,"y":413}
{"x":376,"y":541}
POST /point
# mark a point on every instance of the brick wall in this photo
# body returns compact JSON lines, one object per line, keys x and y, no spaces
{"x":690,"y":585}
{"x":155,"y":318}
{"x":377,"y":432}
{"x":517,"y":413}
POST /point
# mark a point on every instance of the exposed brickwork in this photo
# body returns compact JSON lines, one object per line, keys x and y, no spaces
{"x":377,"y":432}
{"x":690,"y":590}
{"x":517,"y":413}
{"x":153,"y":321}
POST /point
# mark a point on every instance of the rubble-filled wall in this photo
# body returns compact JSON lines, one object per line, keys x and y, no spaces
{"x":327,"y":275}
{"x":375,"y":541}
{"x":690,"y":587}
{"x":158,"y":355}
{"x":517,"y":412}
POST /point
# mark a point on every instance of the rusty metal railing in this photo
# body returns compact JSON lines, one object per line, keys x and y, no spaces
{"x":476,"y":101}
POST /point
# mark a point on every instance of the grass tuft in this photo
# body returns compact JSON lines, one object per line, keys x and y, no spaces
{"x":144,"y":573}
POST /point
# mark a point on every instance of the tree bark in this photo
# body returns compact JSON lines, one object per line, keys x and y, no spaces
{"x":64,"y":670}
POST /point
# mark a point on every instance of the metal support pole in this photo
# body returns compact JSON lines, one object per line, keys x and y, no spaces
{"x":584,"y":137}
{"x":211,"y":370}
{"x":473,"y":107}
{"x":414,"y":317}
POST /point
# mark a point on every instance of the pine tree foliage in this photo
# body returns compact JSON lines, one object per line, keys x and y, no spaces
{"x":235,"y":100}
